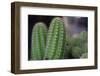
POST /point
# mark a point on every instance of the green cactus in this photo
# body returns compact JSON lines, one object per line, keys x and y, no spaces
{"x":83,"y":36}
{"x":84,"y":55}
{"x":58,"y":44}
{"x":76,"y":52}
{"x":38,"y":41}
{"x":84,"y":41}
{"x":76,"y":46}
{"x":55,"y":38}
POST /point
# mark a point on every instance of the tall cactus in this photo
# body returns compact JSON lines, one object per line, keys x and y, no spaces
{"x":55,"y":39}
{"x":38,"y":41}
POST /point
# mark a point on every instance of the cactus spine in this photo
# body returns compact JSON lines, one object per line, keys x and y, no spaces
{"x":54,"y":39}
{"x":38,"y":41}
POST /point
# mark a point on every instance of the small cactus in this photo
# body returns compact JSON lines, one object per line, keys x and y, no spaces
{"x":76,"y":52}
{"x":38,"y":41}
{"x":77,"y":46}
{"x":84,"y":55}
{"x":55,"y":38}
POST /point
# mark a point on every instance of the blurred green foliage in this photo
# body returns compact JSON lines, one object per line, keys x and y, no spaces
{"x":76,"y":46}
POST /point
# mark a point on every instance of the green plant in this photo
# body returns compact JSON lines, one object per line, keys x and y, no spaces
{"x":76,"y":47}
{"x":76,"y":52}
{"x":84,"y":55}
{"x":55,"y":37}
{"x":38,"y":41}
{"x":57,"y":43}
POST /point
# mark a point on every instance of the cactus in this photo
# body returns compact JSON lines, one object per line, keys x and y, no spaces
{"x":84,"y":55}
{"x":83,"y":36}
{"x":76,"y":52}
{"x":55,"y":38}
{"x":76,"y":46}
{"x":57,"y":43}
{"x":38,"y":41}
{"x":69,"y":47}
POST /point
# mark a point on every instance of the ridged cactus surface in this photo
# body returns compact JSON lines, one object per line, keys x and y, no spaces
{"x":54,"y":39}
{"x":38,"y":41}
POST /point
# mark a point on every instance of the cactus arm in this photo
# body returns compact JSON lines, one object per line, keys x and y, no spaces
{"x":84,"y":55}
{"x":42,"y":34}
{"x":54,"y":39}
{"x":51,"y":39}
{"x":38,"y":41}
{"x":35,"y":52}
